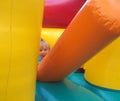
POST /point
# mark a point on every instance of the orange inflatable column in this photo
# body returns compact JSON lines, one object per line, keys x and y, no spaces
{"x":95,"y":26}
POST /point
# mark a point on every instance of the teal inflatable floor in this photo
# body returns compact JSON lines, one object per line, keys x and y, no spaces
{"x":74,"y":88}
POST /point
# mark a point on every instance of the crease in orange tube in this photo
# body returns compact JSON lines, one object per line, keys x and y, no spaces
{"x":95,"y":26}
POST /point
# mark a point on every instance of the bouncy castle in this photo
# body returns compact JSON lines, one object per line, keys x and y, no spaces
{"x":80,"y":33}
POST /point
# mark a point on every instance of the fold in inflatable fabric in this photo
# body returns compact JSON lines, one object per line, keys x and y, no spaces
{"x":20,"y":23}
{"x":64,"y":91}
{"x":96,"y":25}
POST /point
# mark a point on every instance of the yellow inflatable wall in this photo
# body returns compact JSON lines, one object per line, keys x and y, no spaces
{"x":103,"y":69}
{"x":51,"y":35}
{"x":20,"y":22}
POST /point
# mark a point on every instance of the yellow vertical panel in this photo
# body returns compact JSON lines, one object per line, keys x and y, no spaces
{"x":23,"y":46}
{"x":4,"y":46}
{"x":104,"y":69}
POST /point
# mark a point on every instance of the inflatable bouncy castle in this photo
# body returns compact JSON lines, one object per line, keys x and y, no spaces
{"x":79,"y":32}
{"x":92,"y":39}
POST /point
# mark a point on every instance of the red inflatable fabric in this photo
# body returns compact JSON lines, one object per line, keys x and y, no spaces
{"x":59,"y":13}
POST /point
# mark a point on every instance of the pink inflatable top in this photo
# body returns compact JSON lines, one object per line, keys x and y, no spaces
{"x":59,"y":13}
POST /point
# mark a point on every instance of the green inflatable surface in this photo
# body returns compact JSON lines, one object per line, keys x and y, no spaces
{"x":64,"y":91}
{"x":106,"y":94}
{"x":74,"y":88}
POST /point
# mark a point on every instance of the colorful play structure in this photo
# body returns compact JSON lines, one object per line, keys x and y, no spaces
{"x":88,"y":37}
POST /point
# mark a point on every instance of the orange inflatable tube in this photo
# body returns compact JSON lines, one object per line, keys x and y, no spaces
{"x":95,"y":26}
